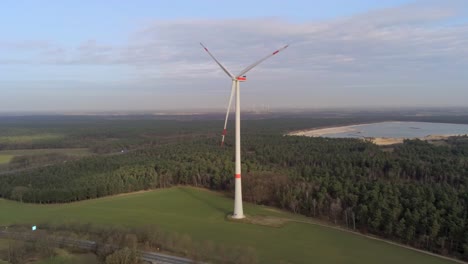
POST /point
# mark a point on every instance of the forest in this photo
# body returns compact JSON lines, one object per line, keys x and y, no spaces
{"x":415,"y":193}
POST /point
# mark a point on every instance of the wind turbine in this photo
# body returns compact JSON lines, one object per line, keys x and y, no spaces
{"x":236,"y":79}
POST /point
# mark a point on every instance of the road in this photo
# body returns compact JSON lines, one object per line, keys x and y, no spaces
{"x":148,"y":256}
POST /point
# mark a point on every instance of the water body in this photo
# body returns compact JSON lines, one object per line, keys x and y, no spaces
{"x":398,"y":130}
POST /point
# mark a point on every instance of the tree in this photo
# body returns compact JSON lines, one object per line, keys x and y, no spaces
{"x":123,"y":256}
{"x":465,"y":251}
{"x":18,"y":192}
{"x":335,"y":209}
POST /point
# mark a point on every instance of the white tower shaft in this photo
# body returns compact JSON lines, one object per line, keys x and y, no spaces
{"x":238,"y":209}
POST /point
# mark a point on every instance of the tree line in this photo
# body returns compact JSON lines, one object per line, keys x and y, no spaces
{"x":415,"y":193}
{"x":119,"y":244}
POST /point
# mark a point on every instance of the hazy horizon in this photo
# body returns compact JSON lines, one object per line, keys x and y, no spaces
{"x":145,"y":55}
{"x":247,"y":110}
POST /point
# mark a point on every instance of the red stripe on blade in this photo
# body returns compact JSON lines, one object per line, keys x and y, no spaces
{"x":275,"y":52}
{"x":238,"y":176}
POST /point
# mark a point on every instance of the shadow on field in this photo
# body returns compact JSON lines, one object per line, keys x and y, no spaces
{"x":204,"y":200}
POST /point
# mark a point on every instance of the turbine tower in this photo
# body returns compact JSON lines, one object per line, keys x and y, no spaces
{"x":238,"y":210}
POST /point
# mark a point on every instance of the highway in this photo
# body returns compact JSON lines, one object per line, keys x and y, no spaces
{"x":148,"y":256}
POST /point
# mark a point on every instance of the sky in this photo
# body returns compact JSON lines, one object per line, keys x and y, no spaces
{"x":145,"y":55}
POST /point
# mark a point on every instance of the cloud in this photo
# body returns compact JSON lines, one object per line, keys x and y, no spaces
{"x":388,"y":38}
{"x":406,"y":45}
{"x":25,"y":45}
{"x":397,"y":38}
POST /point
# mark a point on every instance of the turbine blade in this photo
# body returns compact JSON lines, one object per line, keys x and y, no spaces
{"x":259,"y":61}
{"x":220,"y":65}
{"x":227,"y":113}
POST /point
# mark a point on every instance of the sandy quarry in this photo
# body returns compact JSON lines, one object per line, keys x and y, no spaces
{"x":377,"y":140}
{"x":323,"y":131}
{"x":390,"y":141}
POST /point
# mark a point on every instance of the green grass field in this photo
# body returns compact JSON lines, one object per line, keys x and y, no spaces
{"x":7,"y":155}
{"x":64,"y":257}
{"x":3,"y":243}
{"x":3,"y":246}
{"x":30,"y":138}
{"x":66,"y":151}
{"x":70,"y":259}
{"x":201,"y":214}
{"x":5,"y":158}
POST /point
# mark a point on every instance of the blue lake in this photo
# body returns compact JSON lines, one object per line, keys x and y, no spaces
{"x":400,"y":130}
